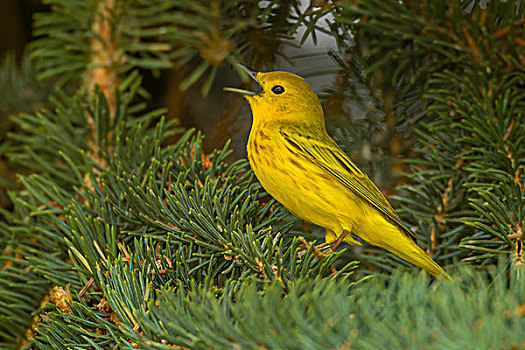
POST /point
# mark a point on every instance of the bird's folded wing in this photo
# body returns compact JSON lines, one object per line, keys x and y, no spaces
{"x":333,"y":160}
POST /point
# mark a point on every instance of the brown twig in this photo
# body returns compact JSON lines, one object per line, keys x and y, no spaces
{"x":102,"y":71}
{"x":105,"y":55}
{"x":511,"y":156}
{"x":86,"y":287}
{"x":442,"y":212}
{"x":506,"y":30}
{"x":472,"y":44}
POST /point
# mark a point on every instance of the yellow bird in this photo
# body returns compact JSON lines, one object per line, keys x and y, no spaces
{"x":297,"y":163}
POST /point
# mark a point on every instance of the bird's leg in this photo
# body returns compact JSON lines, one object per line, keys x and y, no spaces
{"x":340,"y":239}
{"x":317,"y":249}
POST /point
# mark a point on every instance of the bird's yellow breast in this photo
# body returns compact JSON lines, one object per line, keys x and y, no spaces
{"x":299,"y":185}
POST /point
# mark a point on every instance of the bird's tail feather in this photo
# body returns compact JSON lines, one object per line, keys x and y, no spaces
{"x":418,"y":257}
{"x":395,"y":240}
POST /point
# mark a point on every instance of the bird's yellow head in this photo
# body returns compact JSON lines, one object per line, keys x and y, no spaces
{"x":284,"y":98}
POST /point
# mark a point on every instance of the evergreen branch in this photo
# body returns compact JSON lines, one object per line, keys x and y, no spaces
{"x":312,"y":314}
{"x":20,"y":92}
{"x":54,"y":150}
{"x":112,"y":37}
{"x":62,"y":48}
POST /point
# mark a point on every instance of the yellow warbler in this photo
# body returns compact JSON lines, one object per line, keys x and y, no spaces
{"x":297,"y":162}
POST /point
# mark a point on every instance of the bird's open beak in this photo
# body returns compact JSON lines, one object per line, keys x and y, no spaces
{"x":252,"y":74}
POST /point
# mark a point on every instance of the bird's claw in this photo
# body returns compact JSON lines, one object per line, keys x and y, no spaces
{"x":316,"y":248}
{"x":319,"y":249}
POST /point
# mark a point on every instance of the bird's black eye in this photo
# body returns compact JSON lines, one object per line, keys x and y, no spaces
{"x":277,"y":89}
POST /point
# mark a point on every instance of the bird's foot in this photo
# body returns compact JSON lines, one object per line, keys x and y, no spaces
{"x":318,"y":253}
{"x":319,"y":250}
{"x":316,"y":248}
{"x":322,"y":246}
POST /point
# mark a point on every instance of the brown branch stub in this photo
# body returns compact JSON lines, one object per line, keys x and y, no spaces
{"x":86,"y":287}
{"x":441,"y":214}
{"x":511,"y":156}
{"x":518,"y":258}
{"x":472,"y":44}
